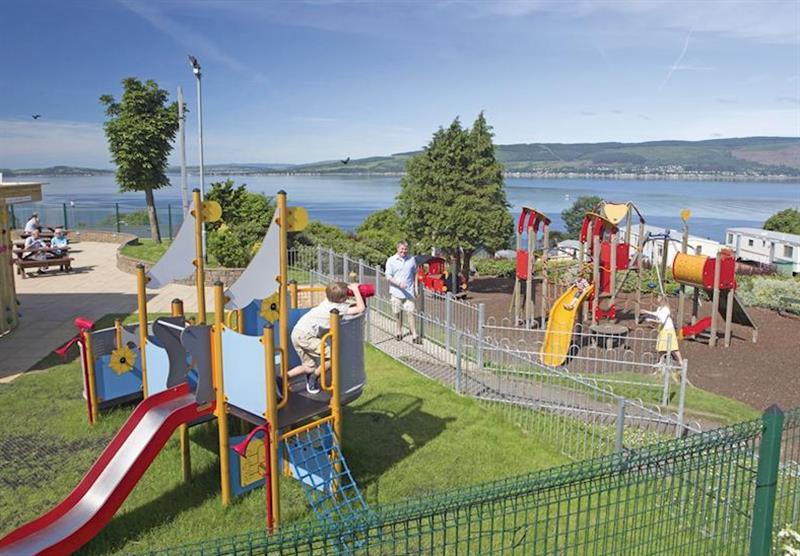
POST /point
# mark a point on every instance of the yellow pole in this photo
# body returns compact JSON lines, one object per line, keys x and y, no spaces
{"x":91,"y":387}
{"x":293,"y":293}
{"x":336,"y":398}
{"x":200,"y":275}
{"x":141,"y":294}
{"x":219,"y":385}
{"x":283,"y":278}
{"x":240,"y":321}
{"x":271,"y":416}
{"x":177,"y":307}
{"x":118,"y":333}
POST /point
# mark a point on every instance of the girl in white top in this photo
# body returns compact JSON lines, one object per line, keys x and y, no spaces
{"x":667,"y":338}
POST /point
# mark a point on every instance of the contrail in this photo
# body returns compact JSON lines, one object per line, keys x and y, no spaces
{"x":678,"y":61}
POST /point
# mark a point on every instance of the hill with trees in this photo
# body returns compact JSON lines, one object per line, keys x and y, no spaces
{"x":753,"y":157}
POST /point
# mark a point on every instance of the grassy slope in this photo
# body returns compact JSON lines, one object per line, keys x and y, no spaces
{"x":405,"y":437}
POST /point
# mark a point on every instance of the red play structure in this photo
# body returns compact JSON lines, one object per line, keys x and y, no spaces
{"x":529,"y":222}
{"x":601,"y":239}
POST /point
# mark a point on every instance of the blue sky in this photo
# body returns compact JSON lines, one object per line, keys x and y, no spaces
{"x":313,"y":80}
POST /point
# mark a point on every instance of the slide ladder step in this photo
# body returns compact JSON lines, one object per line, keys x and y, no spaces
{"x":317,"y":461}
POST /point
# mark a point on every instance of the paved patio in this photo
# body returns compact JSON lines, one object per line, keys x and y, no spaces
{"x":49,"y":303}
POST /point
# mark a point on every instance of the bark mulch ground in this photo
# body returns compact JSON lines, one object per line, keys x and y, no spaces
{"x":760,"y":374}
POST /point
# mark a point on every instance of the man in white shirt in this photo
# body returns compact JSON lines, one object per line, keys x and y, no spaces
{"x":401,"y":273}
{"x":33,"y":223}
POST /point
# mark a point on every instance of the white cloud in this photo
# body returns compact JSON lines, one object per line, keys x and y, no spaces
{"x":29,"y":143}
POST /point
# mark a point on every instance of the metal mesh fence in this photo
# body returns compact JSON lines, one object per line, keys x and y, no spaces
{"x":686,"y":496}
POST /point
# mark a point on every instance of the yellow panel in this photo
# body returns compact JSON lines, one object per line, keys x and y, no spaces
{"x":297,"y":219}
{"x":615,"y":213}
{"x":252,"y":467}
{"x":212,"y":211}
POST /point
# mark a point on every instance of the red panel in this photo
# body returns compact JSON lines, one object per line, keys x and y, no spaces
{"x":522,"y":264}
{"x":727,"y":273}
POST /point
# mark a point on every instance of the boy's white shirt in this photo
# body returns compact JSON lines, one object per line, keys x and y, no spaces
{"x":319,"y":317}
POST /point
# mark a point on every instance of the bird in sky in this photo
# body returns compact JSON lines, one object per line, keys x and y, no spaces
{"x":36,"y":116}
{"x":346,"y":160}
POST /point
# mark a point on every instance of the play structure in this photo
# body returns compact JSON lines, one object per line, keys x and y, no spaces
{"x":716,"y":276}
{"x":11,"y":194}
{"x":530,"y":249}
{"x":604,"y":252}
{"x":433,"y":275}
{"x":189,"y":372}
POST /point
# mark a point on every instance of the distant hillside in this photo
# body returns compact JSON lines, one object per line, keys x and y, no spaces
{"x":53,"y":171}
{"x":750,"y":156}
{"x":741,"y":158}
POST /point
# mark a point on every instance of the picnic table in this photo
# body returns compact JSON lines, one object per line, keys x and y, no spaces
{"x":55,"y":256}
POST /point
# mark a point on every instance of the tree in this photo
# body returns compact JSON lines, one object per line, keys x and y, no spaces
{"x":382,"y":230}
{"x":453,"y":198}
{"x":786,"y":221}
{"x":573,"y":216}
{"x":235,"y":237}
{"x":140,"y":129}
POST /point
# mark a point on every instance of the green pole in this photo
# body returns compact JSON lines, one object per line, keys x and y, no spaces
{"x":116,"y":211}
{"x":64,"y":211}
{"x":769,"y":454}
{"x":13,"y":218}
{"x":169,"y":218}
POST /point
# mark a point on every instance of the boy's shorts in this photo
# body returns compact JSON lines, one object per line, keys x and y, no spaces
{"x":308,"y":348}
{"x":398,"y":305}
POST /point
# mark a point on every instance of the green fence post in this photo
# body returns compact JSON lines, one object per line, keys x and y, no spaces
{"x":64,"y":210}
{"x":169,"y":218}
{"x":769,"y":454}
{"x":13,"y":218}
{"x":116,"y":211}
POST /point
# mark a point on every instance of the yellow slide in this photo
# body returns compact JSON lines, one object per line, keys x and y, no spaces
{"x":558,"y":337}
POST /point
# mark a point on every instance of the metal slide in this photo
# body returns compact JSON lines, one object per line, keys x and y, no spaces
{"x":100,"y":493}
{"x":558,"y":337}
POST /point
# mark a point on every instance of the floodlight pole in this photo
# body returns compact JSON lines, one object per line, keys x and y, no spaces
{"x":182,"y":137}
{"x":198,"y":74}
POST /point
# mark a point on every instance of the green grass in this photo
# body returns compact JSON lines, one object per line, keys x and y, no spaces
{"x":146,"y":250}
{"x":699,"y":404}
{"x":405,"y":437}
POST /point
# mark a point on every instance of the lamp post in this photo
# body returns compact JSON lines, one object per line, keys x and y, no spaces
{"x":198,"y":74}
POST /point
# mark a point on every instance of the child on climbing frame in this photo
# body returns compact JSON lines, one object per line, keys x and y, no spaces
{"x":307,"y":333}
{"x":580,"y":283}
{"x":667,"y":338}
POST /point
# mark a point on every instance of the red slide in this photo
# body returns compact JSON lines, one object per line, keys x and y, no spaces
{"x":692,"y":330}
{"x":94,"y":501}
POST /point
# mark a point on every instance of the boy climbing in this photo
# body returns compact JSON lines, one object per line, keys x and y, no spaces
{"x":307,"y":333}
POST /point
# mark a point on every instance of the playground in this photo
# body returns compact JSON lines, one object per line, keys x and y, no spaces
{"x":220,"y":447}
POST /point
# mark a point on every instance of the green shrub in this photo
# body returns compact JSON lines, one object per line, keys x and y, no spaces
{"x":135,"y":218}
{"x":317,"y":233}
{"x":501,"y":268}
{"x":761,"y":291}
{"x":226,"y":246}
{"x":234,"y":238}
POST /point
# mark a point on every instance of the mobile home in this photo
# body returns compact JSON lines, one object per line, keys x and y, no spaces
{"x":766,"y":247}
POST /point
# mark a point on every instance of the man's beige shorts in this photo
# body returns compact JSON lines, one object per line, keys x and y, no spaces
{"x":307,"y":348}
{"x":398,"y":305}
